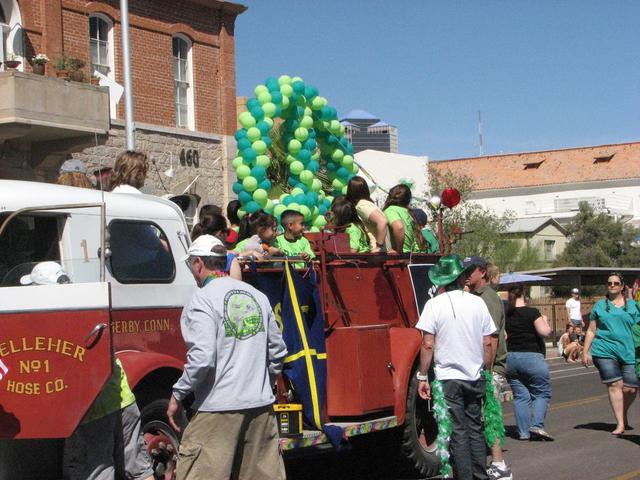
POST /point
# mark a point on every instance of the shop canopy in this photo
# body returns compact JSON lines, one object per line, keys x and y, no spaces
{"x":578,"y":276}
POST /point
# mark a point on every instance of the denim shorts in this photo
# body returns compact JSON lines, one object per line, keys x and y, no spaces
{"x":612,"y":370}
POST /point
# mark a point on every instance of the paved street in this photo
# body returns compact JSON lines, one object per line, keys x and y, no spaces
{"x":579,"y":417}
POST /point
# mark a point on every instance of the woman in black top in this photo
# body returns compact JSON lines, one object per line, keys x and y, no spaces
{"x":527,"y":372}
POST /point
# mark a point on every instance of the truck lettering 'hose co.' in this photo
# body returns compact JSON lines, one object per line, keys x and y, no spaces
{"x":58,"y":341}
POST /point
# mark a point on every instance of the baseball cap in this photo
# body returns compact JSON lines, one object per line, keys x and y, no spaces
{"x":203,"y":246}
{"x":73,"y":166}
{"x":45,"y":273}
{"x":575,"y":290}
{"x":476,"y":261}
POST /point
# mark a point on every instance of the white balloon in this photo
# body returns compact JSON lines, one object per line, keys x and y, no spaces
{"x":435,"y":201}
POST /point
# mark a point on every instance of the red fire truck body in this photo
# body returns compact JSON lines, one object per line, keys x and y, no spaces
{"x":57,"y":341}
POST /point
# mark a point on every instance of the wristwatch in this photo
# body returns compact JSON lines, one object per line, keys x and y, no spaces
{"x":422,"y":378}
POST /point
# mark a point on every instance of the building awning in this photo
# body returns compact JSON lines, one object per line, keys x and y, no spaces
{"x":577,"y":276}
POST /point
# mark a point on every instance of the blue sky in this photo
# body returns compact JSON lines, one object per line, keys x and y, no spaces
{"x":545,"y":74}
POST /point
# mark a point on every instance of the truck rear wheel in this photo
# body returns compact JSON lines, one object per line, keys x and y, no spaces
{"x":162,"y":441}
{"x":419,"y":434}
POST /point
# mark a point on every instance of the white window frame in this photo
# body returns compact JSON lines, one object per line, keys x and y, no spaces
{"x":11,"y":31}
{"x":191,"y":120}
{"x":111,"y":58}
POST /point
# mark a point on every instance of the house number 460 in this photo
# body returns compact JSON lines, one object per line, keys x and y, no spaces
{"x":190,"y":158}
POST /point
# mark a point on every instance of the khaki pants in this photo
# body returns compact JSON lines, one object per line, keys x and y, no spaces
{"x":222,"y":445}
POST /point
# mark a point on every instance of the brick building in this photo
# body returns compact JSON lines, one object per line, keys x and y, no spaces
{"x":183,"y":72}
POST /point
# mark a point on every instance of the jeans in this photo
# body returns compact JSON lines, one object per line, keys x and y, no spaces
{"x":468,"y":447}
{"x":528,"y":375}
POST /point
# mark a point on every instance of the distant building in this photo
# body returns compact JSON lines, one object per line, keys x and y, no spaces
{"x":367,"y":132}
{"x":552,"y":183}
{"x":539,"y":232}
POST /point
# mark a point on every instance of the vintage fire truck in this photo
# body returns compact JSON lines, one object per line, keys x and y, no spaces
{"x":125,"y":298}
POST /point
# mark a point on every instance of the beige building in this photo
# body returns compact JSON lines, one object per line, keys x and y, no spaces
{"x":543,"y":232}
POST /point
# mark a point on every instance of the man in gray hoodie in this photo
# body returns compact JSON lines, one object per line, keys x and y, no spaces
{"x":235,"y":354}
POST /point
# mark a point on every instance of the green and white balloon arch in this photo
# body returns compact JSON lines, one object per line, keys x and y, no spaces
{"x":313,"y":139}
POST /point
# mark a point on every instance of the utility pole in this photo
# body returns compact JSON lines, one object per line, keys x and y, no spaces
{"x":130,"y":127}
{"x":480,"y":133}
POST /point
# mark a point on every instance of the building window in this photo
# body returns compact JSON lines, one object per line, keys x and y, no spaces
{"x":549,"y":250}
{"x":183,"y":82}
{"x":101,"y":45}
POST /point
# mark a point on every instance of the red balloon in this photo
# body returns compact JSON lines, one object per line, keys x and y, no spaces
{"x":450,"y":197}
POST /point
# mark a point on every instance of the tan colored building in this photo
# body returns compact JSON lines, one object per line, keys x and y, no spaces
{"x":542,"y":232}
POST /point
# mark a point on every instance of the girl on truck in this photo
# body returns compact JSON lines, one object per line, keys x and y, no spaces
{"x":256,"y":235}
{"x":406,"y":235}
{"x":371,"y":216}
{"x":345,"y":219}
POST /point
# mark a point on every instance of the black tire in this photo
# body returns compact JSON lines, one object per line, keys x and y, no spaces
{"x":153,"y":419}
{"x":418,"y":435}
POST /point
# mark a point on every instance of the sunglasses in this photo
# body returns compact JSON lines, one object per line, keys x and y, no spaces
{"x":614,"y":284}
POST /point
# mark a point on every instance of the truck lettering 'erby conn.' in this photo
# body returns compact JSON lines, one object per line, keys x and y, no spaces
{"x":125,"y":298}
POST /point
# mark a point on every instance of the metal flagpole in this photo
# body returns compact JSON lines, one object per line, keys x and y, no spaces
{"x":126,"y":68}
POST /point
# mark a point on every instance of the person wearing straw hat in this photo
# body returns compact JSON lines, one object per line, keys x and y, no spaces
{"x":456,"y":334}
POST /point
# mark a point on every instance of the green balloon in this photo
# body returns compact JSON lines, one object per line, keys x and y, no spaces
{"x":278,"y":209}
{"x":284,"y":80}
{"x":334,"y":127}
{"x":294,"y":146}
{"x":318,"y":102}
{"x":241,"y":213}
{"x":345,"y":189}
{"x":355,"y":169}
{"x":259,"y":146}
{"x":319,"y":221}
{"x":296,"y":191}
{"x":337,"y":155}
{"x":316,"y":185}
{"x":269,"y":109}
{"x":286,"y":90}
{"x":290,"y":159}
{"x":306,"y":177}
{"x":237,"y":162}
{"x":304,"y":210}
{"x":263,"y":161}
{"x":337,"y":184}
{"x":347,"y":161}
{"x":268,"y":206}
{"x":296,"y":167}
{"x":260,"y":89}
{"x":296,"y":79}
{"x":293,"y":206}
{"x":254,"y":134}
{"x":285,"y":102}
{"x":261,"y":196}
{"x":264,"y":97}
{"x":250,"y":184}
{"x":306,"y":122}
{"x":301,"y":134}
{"x":315,"y":155}
{"x":243,"y":171}
{"x":268,"y":121}
{"x":307,"y":112}
{"x":314,"y":230}
{"x":246,"y":120}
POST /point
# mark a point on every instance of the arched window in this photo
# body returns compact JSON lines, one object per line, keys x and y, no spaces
{"x":101,"y":44}
{"x":183,"y":82}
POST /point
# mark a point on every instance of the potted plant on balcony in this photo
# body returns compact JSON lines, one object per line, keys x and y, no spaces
{"x":39,"y":61}
{"x":75,"y":66}
{"x":12,"y":62}
{"x":92,"y":79}
{"x":61,"y":67}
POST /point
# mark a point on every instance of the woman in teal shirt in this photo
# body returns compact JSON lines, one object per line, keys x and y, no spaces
{"x":609,"y":342}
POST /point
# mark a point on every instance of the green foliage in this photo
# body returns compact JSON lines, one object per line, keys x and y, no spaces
{"x":598,"y":240}
{"x":439,"y":181}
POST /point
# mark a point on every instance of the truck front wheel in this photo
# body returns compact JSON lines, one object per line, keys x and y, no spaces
{"x":419,"y":432}
{"x":161,"y":440}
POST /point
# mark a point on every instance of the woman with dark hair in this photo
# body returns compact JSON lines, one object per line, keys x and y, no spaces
{"x":216,"y":225}
{"x":527,"y":372}
{"x":345,"y":218}
{"x":406,"y":235}
{"x":232,"y":215}
{"x":609,"y":344}
{"x":371,"y":216}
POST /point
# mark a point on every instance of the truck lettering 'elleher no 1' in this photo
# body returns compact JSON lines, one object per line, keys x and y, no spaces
{"x":125,"y":298}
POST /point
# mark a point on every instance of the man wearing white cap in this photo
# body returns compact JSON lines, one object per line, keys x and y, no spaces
{"x":235,"y":354}
{"x":573,"y":309}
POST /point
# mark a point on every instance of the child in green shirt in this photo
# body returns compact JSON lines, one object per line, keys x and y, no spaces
{"x":292,"y":242}
{"x":406,"y":235}
{"x":345,"y":218}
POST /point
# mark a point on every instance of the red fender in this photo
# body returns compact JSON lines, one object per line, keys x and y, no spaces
{"x":405,"y":347}
{"x":137,"y":365}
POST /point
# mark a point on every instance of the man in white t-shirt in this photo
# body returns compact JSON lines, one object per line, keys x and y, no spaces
{"x":574,"y":317}
{"x":456,"y":333}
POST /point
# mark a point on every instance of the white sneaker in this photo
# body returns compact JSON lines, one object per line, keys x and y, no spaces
{"x":497,"y":473}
